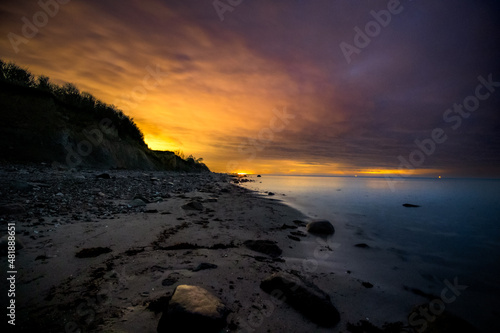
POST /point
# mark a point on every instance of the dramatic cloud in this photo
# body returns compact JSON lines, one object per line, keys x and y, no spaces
{"x":274,"y":88}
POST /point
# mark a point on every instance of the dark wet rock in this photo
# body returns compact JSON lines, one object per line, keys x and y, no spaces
{"x":193,"y":205}
{"x":141,"y":197}
{"x":264,"y":246}
{"x":92,"y":252}
{"x":270,"y":193}
{"x":367,"y":284}
{"x":259,"y":176}
{"x":322,"y":227}
{"x":12,"y":209}
{"x":137,"y":203}
{"x":410,"y":205}
{"x":193,"y":309}
{"x":362,"y":245}
{"x":151,"y":211}
{"x":203,"y":266}
{"x":303,"y":296}
{"x":295,"y":238}
{"x":103,"y":176}
{"x":287,"y":226}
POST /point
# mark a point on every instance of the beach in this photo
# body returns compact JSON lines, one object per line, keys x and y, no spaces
{"x":102,"y":251}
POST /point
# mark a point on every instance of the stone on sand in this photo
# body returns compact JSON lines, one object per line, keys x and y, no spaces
{"x":303,"y":296}
{"x":264,"y":246}
{"x":323,"y":227}
{"x":137,"y":203}
{"x":193,"y":309}
{"x":193,"y":205}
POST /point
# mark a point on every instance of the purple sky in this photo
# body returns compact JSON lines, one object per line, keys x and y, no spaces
{"x":225,"y":78}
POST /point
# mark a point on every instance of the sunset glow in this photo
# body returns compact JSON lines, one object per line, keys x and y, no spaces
{"x":269,"y":90}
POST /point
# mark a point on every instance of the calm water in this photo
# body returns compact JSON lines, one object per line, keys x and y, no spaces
{"x":455,"y":232}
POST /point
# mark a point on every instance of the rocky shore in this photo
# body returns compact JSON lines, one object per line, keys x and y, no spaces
{"x":133,"y":251}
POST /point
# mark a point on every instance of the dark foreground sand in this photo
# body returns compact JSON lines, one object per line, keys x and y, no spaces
{"x":140,"y":250}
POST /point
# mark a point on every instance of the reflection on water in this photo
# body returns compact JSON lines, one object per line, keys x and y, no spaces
{"x":458,"y":221}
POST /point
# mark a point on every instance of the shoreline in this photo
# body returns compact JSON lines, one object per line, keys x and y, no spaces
{"x":119,"y":290}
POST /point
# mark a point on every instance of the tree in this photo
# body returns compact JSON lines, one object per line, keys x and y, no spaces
{"x":44,"y":83}
{"x":18,"y":75}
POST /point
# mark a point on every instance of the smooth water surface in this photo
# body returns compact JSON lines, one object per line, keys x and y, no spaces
{"x":454,"y":233}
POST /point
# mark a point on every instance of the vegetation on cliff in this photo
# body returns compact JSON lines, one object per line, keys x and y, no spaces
{"x":59,"y":124}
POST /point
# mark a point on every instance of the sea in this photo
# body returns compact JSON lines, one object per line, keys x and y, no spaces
{"x":453,"y":236}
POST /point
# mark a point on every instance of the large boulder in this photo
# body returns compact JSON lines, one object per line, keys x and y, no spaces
{"x":322,"y":227}
{"x":193,"y":309}
{"x":264,"y":246}
{"x":303,"y":296}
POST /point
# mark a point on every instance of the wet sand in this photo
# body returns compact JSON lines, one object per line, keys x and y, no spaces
{"x":136,"y":251}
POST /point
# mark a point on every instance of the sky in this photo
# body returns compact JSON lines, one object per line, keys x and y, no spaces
{"x":338,"y":87}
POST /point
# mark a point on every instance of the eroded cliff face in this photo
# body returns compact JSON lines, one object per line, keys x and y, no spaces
{"x":38,"y":127}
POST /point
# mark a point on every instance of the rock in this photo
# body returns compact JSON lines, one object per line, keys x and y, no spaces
{"x":137,"y":203}
{"x":410,"y":205}
{"x":270,"y":193}
{"x":193,"y":309}
{"x":295,"y":238}
{"x":323,"y":227}
{"x":203,"y":266}
{"x":367,"y":284}
{"x":193,"y":205}
{"x":138,"y":196}
{"x":92,"y":252}
{"x":12,"y":209}
{"x":304,"y":297}
{"x":264,"y":246}
{"x":362,"y":245}
{"x":103,"y":176}
{"x":259,"y":176}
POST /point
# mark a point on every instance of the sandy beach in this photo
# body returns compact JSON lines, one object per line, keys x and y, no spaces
{"x":104,"y":251}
